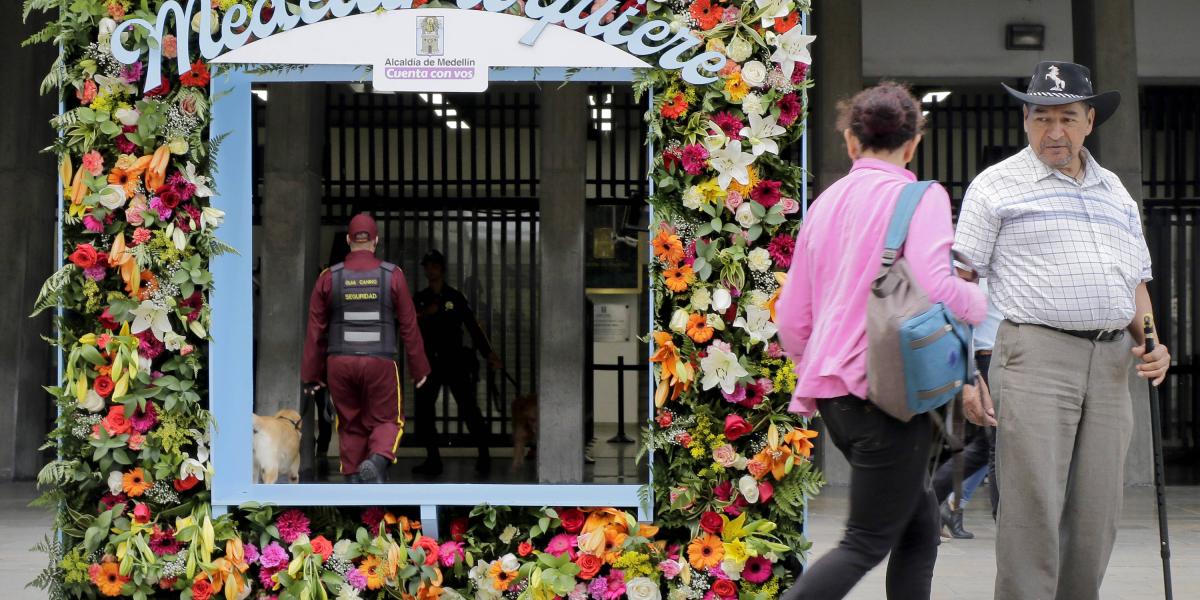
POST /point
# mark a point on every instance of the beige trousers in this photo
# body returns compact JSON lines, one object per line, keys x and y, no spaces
{"x":1066,"y":417}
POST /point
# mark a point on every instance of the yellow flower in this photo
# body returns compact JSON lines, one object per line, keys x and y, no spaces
{"x":711,"y":191}
{"x":736,"y":551}
{"x":736,"y":88}
{"x":370,"y":568}
{"x":744,"y":190}
{"x":501,"y":579}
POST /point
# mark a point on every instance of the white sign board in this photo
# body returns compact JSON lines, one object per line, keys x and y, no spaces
{"x":610,"y":323}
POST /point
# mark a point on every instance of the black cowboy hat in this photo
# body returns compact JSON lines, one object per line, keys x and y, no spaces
{"x":1056,"y":83}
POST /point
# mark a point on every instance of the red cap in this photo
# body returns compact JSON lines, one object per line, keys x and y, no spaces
{"x":362,"y":228}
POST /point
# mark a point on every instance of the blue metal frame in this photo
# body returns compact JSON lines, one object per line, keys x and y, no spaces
{"x":231,"y":351}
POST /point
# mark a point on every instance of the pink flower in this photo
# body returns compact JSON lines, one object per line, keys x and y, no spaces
{"x":689,"y":253}
{"x":141,"y":235}
{"x":250,"y":552}
{"x":96,"y":273}
{"x":132,"y":73}
{"x":186,"y":350}
{"x":164,"y":542}
{"x":164,"y":213}
{"x":143,"y":420}
{"x":695,"y":157}
{"x":170,"y":46}
{"x":723,"y":491}
{"x":450,"y":553}
{"x":789,"y":109}
{"x":292,"y":524}
{"x":356,"y":579}
{"x":730,"y":125}
{"x":781,"y":249}
{"x":273,"y":556}
{"x":774,"y":350}
{"x":562,"y":543}
{"x":93,"y":163}
{"x":148,"y":345}
{"x":670,"y":568}
{"x":737,"y":395}
{"x":766,"y":193}
{"x":790,"y":206}
{"x":141,"y":513}
{"x":799,"y":72}
{"x":125,"y":145}
{"x":616,"y":585}
{"x":765,"y":491}
{"x":733,"y":199}
{"x":91,"y":224}
{"x":731,"y":15}
{"x":88,"y":93}
{"x":758,"y":569}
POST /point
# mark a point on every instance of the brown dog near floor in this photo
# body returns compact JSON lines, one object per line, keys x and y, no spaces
{"x":525,"y":427}
{"x":277,"y":446}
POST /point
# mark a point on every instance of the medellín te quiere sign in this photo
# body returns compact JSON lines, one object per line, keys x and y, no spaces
{"x":238,"y":24}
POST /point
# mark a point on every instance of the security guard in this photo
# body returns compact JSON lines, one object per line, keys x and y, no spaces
{"x":353,"y":316}
{"x":443,"y":312}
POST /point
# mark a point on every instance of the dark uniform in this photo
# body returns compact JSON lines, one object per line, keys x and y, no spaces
{"x":442,"y":316}
{"x":355,"y":311}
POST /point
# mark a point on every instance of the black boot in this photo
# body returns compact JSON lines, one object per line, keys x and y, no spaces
{"x":953,"y":520}
{"x":374,"y":469}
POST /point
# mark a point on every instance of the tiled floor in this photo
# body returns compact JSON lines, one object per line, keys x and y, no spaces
{"x":965,"y":568}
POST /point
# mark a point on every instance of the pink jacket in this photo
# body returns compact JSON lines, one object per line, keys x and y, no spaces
{"x":822,"y":311}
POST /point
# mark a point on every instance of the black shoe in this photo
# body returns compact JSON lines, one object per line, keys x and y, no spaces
{"x":354,"y":478}
{"x":374,"y":469}
{"x":953,"y":520}
{"x":429,"y":468}
{"x":483,"y":464}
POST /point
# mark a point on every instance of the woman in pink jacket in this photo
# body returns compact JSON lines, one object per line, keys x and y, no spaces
{"x":822,"y":316}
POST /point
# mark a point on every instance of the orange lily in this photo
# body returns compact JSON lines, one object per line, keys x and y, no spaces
{"x":799,"y":440}
{"x":429,"y":592}
{"x":604,"y":517}
{"x":647,"y":531}
{"x":781,"y":278}
{"x":775,"y":456}
{"x":614,"y":536}
{"x":78,"y":188}
{"x":121,"y":259}
{"x":675,"y":374}
{"x":156,"y":174}
{"x":229,"y":570}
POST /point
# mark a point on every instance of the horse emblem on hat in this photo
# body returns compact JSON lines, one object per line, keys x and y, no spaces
{"x":1052,"y":75}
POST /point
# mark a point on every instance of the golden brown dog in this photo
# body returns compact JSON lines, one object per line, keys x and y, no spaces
{"x":277,"y":446}
{"x":525,"y":427}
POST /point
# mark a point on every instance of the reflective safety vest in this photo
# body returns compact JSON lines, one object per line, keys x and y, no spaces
{"x":362,"y":312}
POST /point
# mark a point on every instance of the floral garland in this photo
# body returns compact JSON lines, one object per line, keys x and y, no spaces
{"x":130,"y":484}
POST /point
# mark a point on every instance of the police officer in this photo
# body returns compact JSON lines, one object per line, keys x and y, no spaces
{"x":353,"y":316}
{"x":443,"y":312}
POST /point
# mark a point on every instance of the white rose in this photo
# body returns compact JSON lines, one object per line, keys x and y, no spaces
{"x":752,"y":104}
{"x":693,"y":197}
{"x":758,"y":297}
{"x":714,"y":320}
{"x":759,"y":260}
{"x":754,"y":73}
{"x":112,"y":197}
{"x":741,"y":462}
{"x":179,"y":146}
{"x":127,"y":116}
{"x":214,"y":20}
{"x":738,"y":50}
{"x":509,"y":562}
{"x":92,"y":402}
{"x":479,"y":572}
{"x":508,"y":534}
{"x":733,"y":569}
{"x":677,"y":593}
{"x":487,"y":592}
{"x":342,"y":549}
{"x":748,"y":486}
{"x":642,"y":588}
{"x":115,"y":482}
{"x":745,"y":216}
{"x":104,"y":33}
{"x":721,"y":300}
{"x":679,"y":321}
{"x":347,"y":592}
{"x":701,"y":298}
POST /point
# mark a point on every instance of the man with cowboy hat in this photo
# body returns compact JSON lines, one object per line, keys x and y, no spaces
{"x":1060,"y":241}
{"x":357,"y":308}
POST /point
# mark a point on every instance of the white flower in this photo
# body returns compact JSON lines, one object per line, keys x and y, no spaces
{"x":748,"y":486}
{"x":677,"y":593}
{"x":579,"y":593}
{"x":193,"y":467}
{"x":485,"y":591}
{"x":701,"y":298}
{"x":104,"y":33}
{"x":214,"y":20}
{"x":745,"y":216}
{"x":115,"y":482}
{"x":738,"y":50}
{"x":714,"y":320}
{"x":92,"y":402}
{"x":342,"y":549}
{"x":174,"y":341}
{"x":179,"y":146}
{"x":752,"y":104}
{"x":509,"y":561}
{"x":721,"y":368}
{"x":760,"y":132}
{"x":679,"y":321}
{"x":112,"y":197}
{"x":759,"y":260}
{"x":507,"y":535}
{"x":716,"y":138}
{"x":347,"y":592}
{"x":642,"y":588}
{"x":791,"y":48}
{"x":733,"y":569}
{"x":479,"y":572}
{"x":757,"y":323}
{"x":773,"y":9}
{"x":693,"y":197}
{"x":758,"y":297}
{"x":200,"y":181}
{"x":149,"y":315}
{"x":211,"y":217}
{"x":127,"y":116}
{"x":721,"y":300}
{"x":449,"y":594}
{"x":754,"y":73}
{"x":731,"y":164}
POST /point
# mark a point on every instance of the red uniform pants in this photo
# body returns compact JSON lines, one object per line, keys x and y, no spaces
{"x":366,"y":394}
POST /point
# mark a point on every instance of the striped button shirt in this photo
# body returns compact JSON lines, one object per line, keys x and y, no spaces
{"x":1057,"y":252}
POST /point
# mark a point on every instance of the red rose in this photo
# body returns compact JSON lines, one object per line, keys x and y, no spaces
{"x":322,"y":546}
{"x":665,"y":419}
{"x":431,"y":548}
{"x":572,"y":519}
{"x":141,"y":513}
{"x":169,"y":197}
{"x":107,"y":321}
{"x":736,"y":427}
{"x":589,"y":565}
{"x":163,"y":89}
{"x":116,"y":423}
{"x":183,"y":485}
{"x":711,"y":522}
{"x":458,"y":528}
{"x":725,"y":588}
{"x":84,"y":256}
{"x":723,"y":491}
{"x":201,"y":589}
{"x":525,"y":548}
{"x":765,"y":491}
{"x":103,"y":386}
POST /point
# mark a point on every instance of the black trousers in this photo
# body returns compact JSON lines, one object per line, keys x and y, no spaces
{"x":462,"y":386}
{"x":979,"y":451}
{"x":892,"y":508}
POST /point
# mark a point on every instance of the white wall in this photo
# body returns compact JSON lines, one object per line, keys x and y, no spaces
{"x":1167,"y":32}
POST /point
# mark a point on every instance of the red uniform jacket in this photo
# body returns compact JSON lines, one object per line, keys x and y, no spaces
{"x":315,"y":344}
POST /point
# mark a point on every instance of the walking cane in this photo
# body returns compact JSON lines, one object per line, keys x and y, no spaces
{"x":1160,"y":487}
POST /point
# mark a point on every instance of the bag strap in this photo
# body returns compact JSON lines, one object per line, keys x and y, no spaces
{"x":897,"y":230}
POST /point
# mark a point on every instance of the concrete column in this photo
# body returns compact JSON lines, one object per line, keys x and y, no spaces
{"x":290,"y":235}
{"x":1105,"y":41}
{"x":27,"y":233}
{"x":837,"y":69}
{"x":563,"y":118}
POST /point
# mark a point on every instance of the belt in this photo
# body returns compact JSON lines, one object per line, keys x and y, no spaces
{"x":1096,"y":335}
{"x":983,"y":353}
